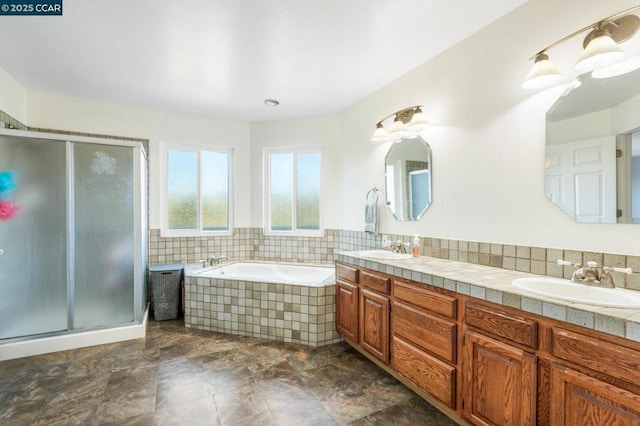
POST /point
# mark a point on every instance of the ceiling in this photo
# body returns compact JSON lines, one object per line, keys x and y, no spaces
{"x":224,"y":57}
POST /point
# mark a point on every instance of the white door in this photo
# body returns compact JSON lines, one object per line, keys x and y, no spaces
{"x":581,"y":178}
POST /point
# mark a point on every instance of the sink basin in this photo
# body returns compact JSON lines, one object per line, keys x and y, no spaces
{"x":557,"y":288}
{"x":383,"y":255}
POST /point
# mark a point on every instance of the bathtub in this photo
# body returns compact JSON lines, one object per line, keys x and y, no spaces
{"x":269,"y":273}
{"x":275,"y":301}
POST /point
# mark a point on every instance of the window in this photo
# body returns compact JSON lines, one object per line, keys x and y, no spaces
{"x":197,"y":196}
{"x":293,"y":185}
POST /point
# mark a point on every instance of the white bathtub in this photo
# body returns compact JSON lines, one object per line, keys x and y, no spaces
{"x":268,"y":273}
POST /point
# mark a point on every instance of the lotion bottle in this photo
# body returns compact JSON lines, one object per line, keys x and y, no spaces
{"x":415,"y":247}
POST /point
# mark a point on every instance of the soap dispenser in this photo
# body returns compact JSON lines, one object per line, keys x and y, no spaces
{"x":415,"y":247}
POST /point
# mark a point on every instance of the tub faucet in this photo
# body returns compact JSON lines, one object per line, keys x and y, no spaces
{"x":216,"y":260}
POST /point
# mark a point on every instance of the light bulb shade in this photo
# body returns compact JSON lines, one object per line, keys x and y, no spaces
{"x":418,"y":121}
{"x":627,"y":65}
{"x":380,"y":135}
{"x":542,"y":74}
{"x":601,"y":51}
{"x":398,"y":129}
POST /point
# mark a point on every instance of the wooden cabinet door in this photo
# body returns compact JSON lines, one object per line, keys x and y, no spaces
{"x":577,"y":399}
{"x":347,"y":310}
{"x":374,"y":324}
{"x":500,"y":382}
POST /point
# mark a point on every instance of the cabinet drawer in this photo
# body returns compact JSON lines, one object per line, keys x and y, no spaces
{"x":501,"y":323}
{"x":347,"y":273}
{"x":426,"y":372}
{"x":421,"y":297}
{"x":429,"y":332}
{"x":599,"y":355}
{"x":375,"y":282}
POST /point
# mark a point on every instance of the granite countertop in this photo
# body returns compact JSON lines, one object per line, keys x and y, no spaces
{"x":494,"y":285}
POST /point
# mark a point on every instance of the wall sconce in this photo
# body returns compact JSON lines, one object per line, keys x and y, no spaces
{"x":602,"y":55}
{"x":406,"y":120}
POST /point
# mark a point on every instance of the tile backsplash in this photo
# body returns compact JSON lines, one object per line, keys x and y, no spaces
{"x":253,"y":244}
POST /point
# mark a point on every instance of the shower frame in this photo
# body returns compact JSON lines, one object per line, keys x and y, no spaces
{"x":140,"y":231}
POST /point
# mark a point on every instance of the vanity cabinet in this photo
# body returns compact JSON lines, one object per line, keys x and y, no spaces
{"x":578,"y":399}
{"x":362,"y":309}
{"x":499,"y":360}
{"x":374,"y":314}
{"x":487,"y":364}
{"x":593,"y":396}
{"x":499,"y":382}
{"x":347,"y":309}
{"x":374,"y":324}
{"x":424,"y":339}
{"x":347,"y":301}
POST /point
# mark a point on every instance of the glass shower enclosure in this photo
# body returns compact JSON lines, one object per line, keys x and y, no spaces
{"x":72,"y":234}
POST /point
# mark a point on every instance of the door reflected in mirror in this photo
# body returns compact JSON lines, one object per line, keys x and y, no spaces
{"x":408,"y":178}
{"x":592,"y":169}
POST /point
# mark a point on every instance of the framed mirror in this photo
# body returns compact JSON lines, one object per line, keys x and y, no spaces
{"x":592,"y":169}
{"x":408,"y":178}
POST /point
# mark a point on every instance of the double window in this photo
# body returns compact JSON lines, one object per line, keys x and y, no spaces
{"x":293,"y":178}
{"x":197,"y":194}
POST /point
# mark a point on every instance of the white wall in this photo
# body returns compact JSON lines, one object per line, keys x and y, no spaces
{"x":13,"y":97}
{"x":47,"y":110}
{"x":488,"y":140}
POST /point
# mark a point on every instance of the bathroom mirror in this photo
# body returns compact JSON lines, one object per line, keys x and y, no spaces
{"x":408,"y":178}
{"x":592,"y":169}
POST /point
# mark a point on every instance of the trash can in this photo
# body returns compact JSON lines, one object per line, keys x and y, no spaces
{"x":165,"y":290}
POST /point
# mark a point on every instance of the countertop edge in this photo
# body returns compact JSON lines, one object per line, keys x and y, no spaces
{"x":494,"y":285}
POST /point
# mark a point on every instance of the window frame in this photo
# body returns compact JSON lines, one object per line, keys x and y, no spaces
{"x":165,"y":147}
{"x":266,"y":167}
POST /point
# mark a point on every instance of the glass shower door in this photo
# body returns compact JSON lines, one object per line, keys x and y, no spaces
{"x":33,"y":264}
{"x":103,"y":230}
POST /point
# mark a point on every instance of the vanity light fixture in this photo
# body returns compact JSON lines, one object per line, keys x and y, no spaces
{"x":602,"y":54}
{"x":405,"y":121}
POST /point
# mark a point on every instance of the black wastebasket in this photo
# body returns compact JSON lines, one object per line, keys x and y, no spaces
{"x":165,"y":290}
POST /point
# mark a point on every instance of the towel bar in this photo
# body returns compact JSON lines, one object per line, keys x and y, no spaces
{"x":375,"y":192}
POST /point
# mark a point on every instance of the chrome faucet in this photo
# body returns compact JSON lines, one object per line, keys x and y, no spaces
{"x":398,"y":247}
{"x":590,"y":275}
{"x":216,"y":260}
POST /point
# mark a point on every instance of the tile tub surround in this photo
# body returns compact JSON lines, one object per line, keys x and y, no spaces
{"x":244,"y":244}
{"x":494,"y":285}
{"x":281,"y":312}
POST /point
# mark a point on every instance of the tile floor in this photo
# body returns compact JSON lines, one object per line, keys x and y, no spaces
{"x":179,"y":376}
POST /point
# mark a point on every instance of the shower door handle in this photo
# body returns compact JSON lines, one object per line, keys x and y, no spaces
{"x":1,"y":252}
